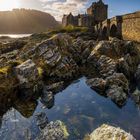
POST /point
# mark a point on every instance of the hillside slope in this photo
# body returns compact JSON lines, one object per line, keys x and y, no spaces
{"x":26,"y":21}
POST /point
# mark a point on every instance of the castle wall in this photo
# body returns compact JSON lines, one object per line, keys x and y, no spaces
{"x":86,"y":21}
{"x":100,"y":13}
{"x":131,"y":27}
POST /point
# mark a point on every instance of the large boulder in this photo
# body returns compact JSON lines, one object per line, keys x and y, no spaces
{"x":115,"y":87}
{"x":107,"y":132}
{"x":28,"y":76}
{"x":54,"y":57}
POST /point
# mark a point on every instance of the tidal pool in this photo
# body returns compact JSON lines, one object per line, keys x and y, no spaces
{"x":79,"y":107}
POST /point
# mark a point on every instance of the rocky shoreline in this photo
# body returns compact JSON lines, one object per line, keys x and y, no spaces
{"x":47,"y":64}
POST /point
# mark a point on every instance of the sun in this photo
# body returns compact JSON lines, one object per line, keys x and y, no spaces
{"x":9,"y":4}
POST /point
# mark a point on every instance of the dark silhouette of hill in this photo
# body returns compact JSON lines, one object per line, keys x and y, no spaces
{"x":26,"y":21}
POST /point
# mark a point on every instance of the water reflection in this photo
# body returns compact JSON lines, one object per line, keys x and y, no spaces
{"x":78,"y":106}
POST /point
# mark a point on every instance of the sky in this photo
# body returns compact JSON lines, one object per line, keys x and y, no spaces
{"x":59,"y":7}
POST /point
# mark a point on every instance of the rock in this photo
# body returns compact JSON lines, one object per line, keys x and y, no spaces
{"x":54,"y":54}
{"x":107,"y":48}
{"x":81,"y":50}
{"x":127,"y":65}
{"x":8,"y":88}
{"x":55,"y":87}
{"x":136,"y":96}
{"x":47,"y":98}
{"x":54,"y":131}
{"x":137,"y":74}
{"x":27,"y":72}
{"x":42,"y":120}
{"x":117,"y":95}
{"x":117,"y":85}
{"x":25,"y":108}
{"x":106,"y":132}
{"x":28,"y":76}
{"x":119,"y":80}
{"x":114,"y":87}
{"x":98,"y":84}
{"x":106,"y":66}
{"x":65,"y":69}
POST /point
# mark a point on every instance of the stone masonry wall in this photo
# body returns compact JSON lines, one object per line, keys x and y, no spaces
{"x":131,"y":26}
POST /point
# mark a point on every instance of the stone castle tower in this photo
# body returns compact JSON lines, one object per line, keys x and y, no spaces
{"x":96,"y":13}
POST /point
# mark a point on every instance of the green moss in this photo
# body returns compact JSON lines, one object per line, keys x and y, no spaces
{"x":40,"y":71}
{"x":4,"y":70}
{"x":64,"y":129}
{"x":69,"y":29}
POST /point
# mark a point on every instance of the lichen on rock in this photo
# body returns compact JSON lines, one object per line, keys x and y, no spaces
{"x":107,"y":132}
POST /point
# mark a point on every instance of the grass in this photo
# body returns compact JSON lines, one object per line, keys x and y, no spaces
{"x":70,"y":29}
{"x":38,"y":37}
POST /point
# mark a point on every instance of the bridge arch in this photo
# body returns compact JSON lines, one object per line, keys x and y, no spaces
{"x":113,"y":31}
{"x":104,"y":33}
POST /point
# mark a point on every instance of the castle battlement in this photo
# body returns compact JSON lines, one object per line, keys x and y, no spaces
{"x":96,"y":13}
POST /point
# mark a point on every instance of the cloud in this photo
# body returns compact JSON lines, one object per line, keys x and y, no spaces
{"x":59,"y":7}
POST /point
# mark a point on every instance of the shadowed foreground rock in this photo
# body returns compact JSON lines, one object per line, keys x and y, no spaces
{"x":106,"y":132}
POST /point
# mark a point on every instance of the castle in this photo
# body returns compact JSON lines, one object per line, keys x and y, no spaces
{"x":96,"y":13}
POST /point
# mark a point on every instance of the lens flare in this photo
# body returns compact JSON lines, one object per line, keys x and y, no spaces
{"x":9,"y":4}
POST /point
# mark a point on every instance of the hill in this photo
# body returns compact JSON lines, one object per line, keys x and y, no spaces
{"x":22,"y":21}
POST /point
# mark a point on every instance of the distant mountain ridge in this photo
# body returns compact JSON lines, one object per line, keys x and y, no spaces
{"x":22,"y":21}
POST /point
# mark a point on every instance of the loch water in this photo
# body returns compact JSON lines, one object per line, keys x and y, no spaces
{"x":79,"y":107}
{"x":15,"y":35}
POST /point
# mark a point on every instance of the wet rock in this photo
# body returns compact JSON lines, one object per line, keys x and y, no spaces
{"x":54,"y":131}
{"x":28,"y":76}
{"x":117,"y":95}
{"x":8,"y":88}
{"x":118,"y":79}
{"x":107,"y":132}
{"x":98,"y":84}
{"x":117,"y":85}
{"x":136,"y":96}
{"x":137,"y":74}
{"x":47,"y":98}
{"x":114,"y":87}
{"x":26,"y":108}
{"x":42,"y":120}
{"x":55,"y":87}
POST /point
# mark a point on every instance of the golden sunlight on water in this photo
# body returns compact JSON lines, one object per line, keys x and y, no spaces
{"x":15,"y":35}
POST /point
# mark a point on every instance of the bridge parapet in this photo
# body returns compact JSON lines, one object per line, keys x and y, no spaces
{"x":126,"y":27}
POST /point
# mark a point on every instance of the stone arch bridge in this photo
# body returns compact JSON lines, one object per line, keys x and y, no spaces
{"x":124,"y":27}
